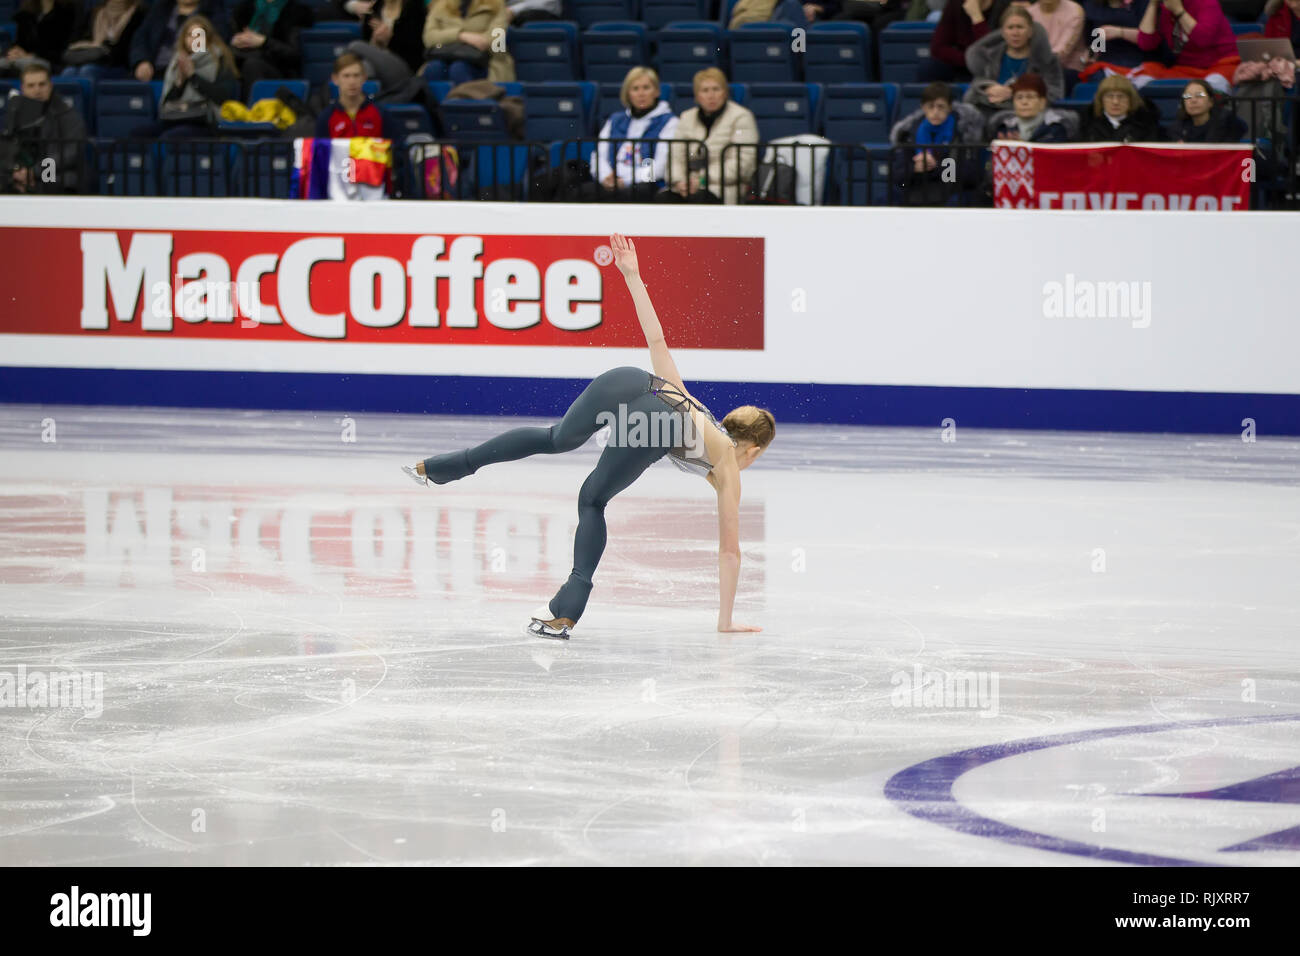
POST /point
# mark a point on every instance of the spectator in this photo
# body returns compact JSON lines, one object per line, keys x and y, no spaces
{"x":961,"y":24}
{"x":265,"y":40}
{"x":1020,"y":46}
{"x":626,"y":170}
{"x":200,"y":76}
{"x":44,"y":29}
{"x":1203,"y":118}
{"x":1283,"y":21}
{"x":524,"y":12}
{"x":458,"y":38}
{"x":44,"y":138}
{"x":155,"y":42}
{"x":353,"y":113}
{"x":792,"y":12}
{"x":103,"y":45}
{"x":921,"y":172}
{"x":1196,"y":34}
{"x":718,"y":121}
{"x":1120,"y":114}
{"x":391,"y":46}
{"x":1063,"y":20}
{"x":1031,"y":119}
{"x":1116,"y":45}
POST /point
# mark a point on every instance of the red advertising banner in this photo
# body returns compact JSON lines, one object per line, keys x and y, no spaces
{"x":436,"y":289}
{"x":1121,"y":176}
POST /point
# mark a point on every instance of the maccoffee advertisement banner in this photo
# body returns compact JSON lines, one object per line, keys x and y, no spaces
{"x":1122,"y":176}
{"x":560,"y":290}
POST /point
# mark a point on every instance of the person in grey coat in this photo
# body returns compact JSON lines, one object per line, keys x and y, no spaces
{"x":1020,"y":46}
{"x":43,"y":144}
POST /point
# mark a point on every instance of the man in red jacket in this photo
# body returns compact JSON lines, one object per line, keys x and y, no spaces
{"x":353,"y":113}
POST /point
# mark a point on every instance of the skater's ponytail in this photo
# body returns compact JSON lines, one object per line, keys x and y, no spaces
{"x":752,"y":424}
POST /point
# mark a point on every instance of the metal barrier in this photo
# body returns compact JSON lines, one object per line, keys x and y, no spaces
{"x":654,"y":164}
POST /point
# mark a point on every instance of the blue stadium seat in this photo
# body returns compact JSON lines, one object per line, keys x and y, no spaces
{"x":909,"y":97}
{"x":405,"y":119}
{"x":863,"y":177}
{"x":267,"y":168}
{"x":498,"y":171}
{"x":762,"y":53}
{"x":544,"y":51}
{"x":126,"y":169}
{"x":80,"y":92}
{"x":687,"y":48}
{"x":657,"y":14}
{"x":121,"y":106}
{"x":558,"y":111}
{"x":609,"y":50}
{"x":784,"y":109}
{"x":1241,"y":29}
{"x":859,"y":112}
{"x":266,"y":89}
{"x":587,"y":12}
{"x":473,"y":121}
{"x":838,"y":52}
{"x":904,"y":47}
{"x":195,"y":168}
{"x":320,"y":47}
{"x":1167,"y":95}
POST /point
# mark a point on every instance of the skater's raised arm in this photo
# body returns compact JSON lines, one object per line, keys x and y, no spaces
{"x":661,"y":360}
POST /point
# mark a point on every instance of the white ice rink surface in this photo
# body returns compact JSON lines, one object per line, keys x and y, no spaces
{"x":307,"y":659}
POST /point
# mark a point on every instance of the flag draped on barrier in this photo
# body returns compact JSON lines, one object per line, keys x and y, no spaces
{"x":357,"y":168}
{"x":1122,"y":176}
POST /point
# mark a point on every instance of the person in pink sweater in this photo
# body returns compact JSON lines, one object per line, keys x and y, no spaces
{"x":1063,"y":21}
{"x":1197,"y":34}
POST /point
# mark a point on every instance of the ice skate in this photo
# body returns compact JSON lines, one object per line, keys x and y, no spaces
{"x":416,"y":477}
{"x":543,"y":629}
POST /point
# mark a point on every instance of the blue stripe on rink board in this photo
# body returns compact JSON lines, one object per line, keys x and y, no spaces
{"x":912,"y":405}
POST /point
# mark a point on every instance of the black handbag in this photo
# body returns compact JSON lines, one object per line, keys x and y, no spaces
{"x":458,"y":51}
{"x":80,"y":56}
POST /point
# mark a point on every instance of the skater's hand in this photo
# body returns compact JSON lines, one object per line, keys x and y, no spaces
{"x":734,"y":628}
{"x":624,"y":255}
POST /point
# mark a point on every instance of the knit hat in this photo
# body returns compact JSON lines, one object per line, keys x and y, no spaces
{"x":1029,"y":81}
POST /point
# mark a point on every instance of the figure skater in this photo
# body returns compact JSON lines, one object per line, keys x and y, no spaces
{"x":700,"y":444}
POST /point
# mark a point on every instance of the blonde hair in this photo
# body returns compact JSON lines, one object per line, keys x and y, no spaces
{"x":634,"y":74}
{"x":1112,"y":84}
{"x":706,"y":74}
{"x":752,"y":424}
{"x":211,"y":39}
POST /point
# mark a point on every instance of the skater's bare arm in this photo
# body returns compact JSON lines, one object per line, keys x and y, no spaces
{"x":728,"y":485}
{"x":660,"y":359}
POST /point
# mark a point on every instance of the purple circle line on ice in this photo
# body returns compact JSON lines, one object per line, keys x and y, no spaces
{"x":604,"y":255}
{"x":924,"y":790}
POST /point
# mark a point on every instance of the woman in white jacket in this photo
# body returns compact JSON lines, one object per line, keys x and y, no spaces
{"x":629,"y":170}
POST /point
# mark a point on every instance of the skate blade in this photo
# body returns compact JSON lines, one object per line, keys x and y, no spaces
{"x":542,"y":629}
{"x":415,"y":475}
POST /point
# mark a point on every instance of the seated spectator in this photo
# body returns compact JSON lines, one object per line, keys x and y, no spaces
{"x":391,"y":46}
{"x":44,"y":29}
{"x":1020,"y":46}
{"x":1063,"y":20}
{"x":718,"y":121}
{"x":1031,"y":119}
{"x":1115,"y":47}
{"x":631,"y":171}
{"x":1197,"y":36}
{"x":922,"y":173}
{"x":1120,"y":114}
{"x":781,"y":11}
{"x":265,"y":40}
{"x":155,"y":41}
{"x":961,"y":24}
{"x":353,"y":113}
{"x":1203,"y":118}
{"x":524,"y":12}
{"x":103,"y":46}
{"x":458,"y":41}
{"x":44,"y":138}
{"x":1283,"y":21}
{"x":200,"y":76}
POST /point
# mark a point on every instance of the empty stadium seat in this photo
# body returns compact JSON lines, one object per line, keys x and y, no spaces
{"x":587,"y":12}
{"x":859,"y":112}
{"x":784,"y":109}
{"x":657,"y":14}
{"x":473,"y":120}
{"x":544,"y":51}
{"x":195,"y":168}
{"x":126,"y":169}
{"x":267,"y":168}
{"x":609,"y":50}
{"x":402,"y":120}
{"x":121,"y":106}
{"x":838,"y":53}
{"x":762,"y":53}
{"x":904,"y":48}
{"x":687,"y":48}
{"x":321,"y":46}
{"x":558,"y":111}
